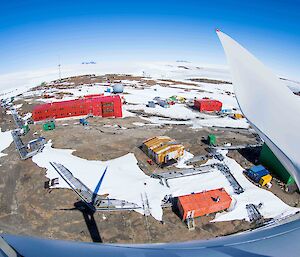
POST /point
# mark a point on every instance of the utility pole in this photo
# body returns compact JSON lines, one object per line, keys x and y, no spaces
{"x":59,"y":71}
{"x":59,"y":68}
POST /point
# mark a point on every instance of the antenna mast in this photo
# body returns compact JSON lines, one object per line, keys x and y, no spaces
{"x":59,"y":71}
{"x":59,"y":68}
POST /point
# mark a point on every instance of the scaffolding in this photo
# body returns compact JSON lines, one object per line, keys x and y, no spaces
{"x":190,"y":221}
{"x":254,"y":214}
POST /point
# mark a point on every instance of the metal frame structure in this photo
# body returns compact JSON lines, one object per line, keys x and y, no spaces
{"x":91,"y":199}
{"x":37,"y":145}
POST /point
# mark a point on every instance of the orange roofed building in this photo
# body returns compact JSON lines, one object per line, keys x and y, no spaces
{"x":206,"y":202}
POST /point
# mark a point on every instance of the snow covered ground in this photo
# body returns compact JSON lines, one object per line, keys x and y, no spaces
{"x":5,"y":141}
{"x":125,"y":182}
{"x":137,"y":98}
{"x":129,"y":183}
{"x":272,"y":206}
{"x":15,"y":83}
{"x":12,"y":84}
{"x":180,"y":113}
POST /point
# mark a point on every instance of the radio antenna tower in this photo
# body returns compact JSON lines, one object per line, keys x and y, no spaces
{"x":59,"y":68}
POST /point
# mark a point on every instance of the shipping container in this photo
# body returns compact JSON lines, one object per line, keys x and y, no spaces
{"x":212,"y":140}
{"x":49,"y":126}
{"x":257,"y":168}
{"x":173,"y":98}
{"x":204,"y":203}
{"x":207,"y":105}
{"x":97,"y":105}
{"x":25,"y":129}
{"x":265,"y":180}
{"x":255,"y":173}
{"x":163,"y":103}
{"x":83,"y":122}
{"x":238,"y":116}
{"x":181,"y":99}
{"x":151,"y":104}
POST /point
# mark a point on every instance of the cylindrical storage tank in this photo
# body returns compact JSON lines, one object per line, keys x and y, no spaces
{"x":118,"y":88}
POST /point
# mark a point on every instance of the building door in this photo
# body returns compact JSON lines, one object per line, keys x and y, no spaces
{"x":108,"y":109}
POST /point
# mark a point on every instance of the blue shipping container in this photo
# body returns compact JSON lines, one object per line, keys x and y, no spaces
{"x":257,"y":168}
{"x":83,"y":122}
{"x":151,"y":104}
{"x":256,"y":176}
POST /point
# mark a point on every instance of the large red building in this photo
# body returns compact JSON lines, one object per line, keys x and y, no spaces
{"x":98,"y":105}
{"x":207,"y":105}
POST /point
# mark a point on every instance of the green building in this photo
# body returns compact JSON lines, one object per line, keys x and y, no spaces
{"x":211,"y":139}
{"x":49,"y":125}
{"x":25,"y":129}
{"x":270,"y":161}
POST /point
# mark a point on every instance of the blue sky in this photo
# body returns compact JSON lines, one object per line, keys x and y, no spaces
{"x":35,"y":34}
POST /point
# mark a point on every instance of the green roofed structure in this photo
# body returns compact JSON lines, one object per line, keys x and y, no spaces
{"x":212,"y":140}
{"x":49,"y":126}
{"x":269,"y":160}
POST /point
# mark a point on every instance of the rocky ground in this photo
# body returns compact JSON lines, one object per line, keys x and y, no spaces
{"x":28,"y":208}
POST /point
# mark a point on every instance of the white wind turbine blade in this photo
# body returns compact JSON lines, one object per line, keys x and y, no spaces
{"x":270,"y":107}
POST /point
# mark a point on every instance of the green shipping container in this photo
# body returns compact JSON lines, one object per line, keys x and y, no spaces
{"x":25,"y":129}
{"x":49,"y":126}
{"x":212,"y":140}
{"x":269,"y":160}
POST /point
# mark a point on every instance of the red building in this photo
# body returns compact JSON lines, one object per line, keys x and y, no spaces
{"x":200,"y":204}
{"x":207,"y":105}
{"x":98,"y":105}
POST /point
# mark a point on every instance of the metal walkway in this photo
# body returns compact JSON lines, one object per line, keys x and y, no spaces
{"x":237,"y":147}
{"x":18,"y":120}
{"x":213,"y":154}
{"x":233,"y":182}
{"x":165,"y":176}
{"x":25,"y":153}
{"x":198,"y":158}
{"x":92,"y":200}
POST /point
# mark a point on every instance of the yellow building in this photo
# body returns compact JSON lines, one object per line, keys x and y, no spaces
{"x":265,"y":180}
{"x":238,"y":116}
{"x":162,"y":149}
{"x":181,"y":99}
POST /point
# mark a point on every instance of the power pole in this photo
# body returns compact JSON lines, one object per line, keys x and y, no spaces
{"x":59,"y":68}
{"x":59,"y":71}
